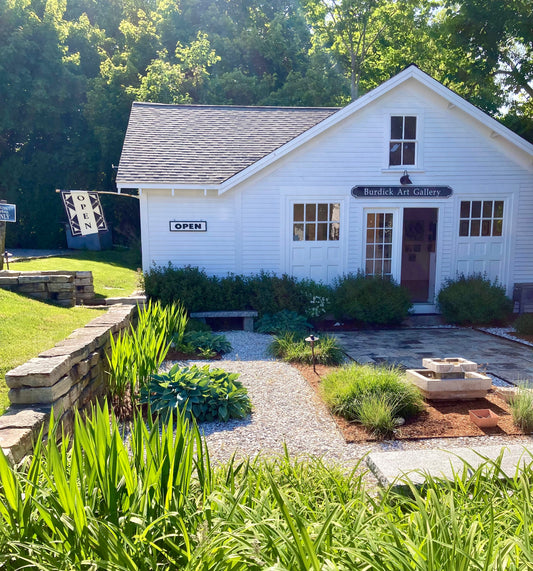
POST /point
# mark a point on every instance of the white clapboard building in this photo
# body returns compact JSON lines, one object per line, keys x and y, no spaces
{"x":409,"y":181}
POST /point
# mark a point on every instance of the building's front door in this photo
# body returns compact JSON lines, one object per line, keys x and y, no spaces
{"x":419,"y":253}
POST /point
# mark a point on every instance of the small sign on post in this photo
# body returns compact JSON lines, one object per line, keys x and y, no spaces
{"x":8,"y":213}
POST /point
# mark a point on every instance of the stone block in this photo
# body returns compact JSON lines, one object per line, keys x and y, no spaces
{"x":16,"y":443}
{"x":66,"y":295}
{"x":64,"y":302}
{"x":78,"y":349}
{"x":32,"y":287}
{"x":8,"y":280}
{"x":69,"y":399}
{"x":16,"y":417}
{"x":83,"y":368}
{"x":84,"y":275}
{"x":9,"y":274}
{"x":60,"y":287}
{"x":61,"y":279}
{"x":40,"y":394}
{"x":31,"y":279}
{"x":82,"y":282}
{"x":39,"y":372}
{"x":39,"y":295}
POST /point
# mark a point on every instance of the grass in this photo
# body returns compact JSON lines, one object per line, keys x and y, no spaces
{"x":114,"y":271}
{"x":291,"y":347}
{"x":28,"y":326}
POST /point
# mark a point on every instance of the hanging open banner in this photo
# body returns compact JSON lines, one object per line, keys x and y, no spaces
{"x":84,"y":211}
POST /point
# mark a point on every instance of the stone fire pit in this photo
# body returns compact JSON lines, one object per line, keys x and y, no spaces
{"x":452,"y":378}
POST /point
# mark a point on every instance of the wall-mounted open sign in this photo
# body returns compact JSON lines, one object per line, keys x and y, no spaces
{"x":188,"y":226}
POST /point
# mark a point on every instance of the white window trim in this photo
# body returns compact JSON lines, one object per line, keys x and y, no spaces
{"x":419,"y":153}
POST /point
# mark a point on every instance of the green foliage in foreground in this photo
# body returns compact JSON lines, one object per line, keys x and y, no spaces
{"x":203,"y":342}
{"x":28,"y":326}
{"x":348,"y":390}
{"x":524,"y":324}
{"x":202,"y":393}
{"x":114,"y":271}
{"x":293,"y":349}
{"x":155,"y":502}
{"x":139,"y":352}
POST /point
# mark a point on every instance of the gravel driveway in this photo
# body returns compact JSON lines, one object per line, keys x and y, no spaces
{"x":287,"y":411}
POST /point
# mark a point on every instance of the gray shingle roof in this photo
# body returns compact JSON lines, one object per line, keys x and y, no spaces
{"x":197,"y":144}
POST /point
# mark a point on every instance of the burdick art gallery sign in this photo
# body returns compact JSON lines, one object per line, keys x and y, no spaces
{"x":403,"y":191}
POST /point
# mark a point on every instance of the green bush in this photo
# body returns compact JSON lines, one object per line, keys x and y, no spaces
{"x":473,"y":300}
{"x":376,"y":414}
{"x":263,"y":292}
{"x":522,"y":409}
{"x":346,"y":389}
{"x":282,"y":322}
{"x":370,"y":299}
{"x":524,"y":324}
{"x":204,"y":341}
{"x":200,"y":392}
{"x":293,"y":348}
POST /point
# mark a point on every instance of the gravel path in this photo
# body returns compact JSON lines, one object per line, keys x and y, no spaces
{"x":287,"y":411}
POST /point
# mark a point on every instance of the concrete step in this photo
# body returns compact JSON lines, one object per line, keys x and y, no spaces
{"x":391,"y":467}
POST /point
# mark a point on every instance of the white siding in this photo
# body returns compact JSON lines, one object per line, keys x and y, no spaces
{"x":249,"y":226}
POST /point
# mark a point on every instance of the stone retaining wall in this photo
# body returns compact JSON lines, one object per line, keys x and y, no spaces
{"x":65,"y":288}
{"x":70,"y":375}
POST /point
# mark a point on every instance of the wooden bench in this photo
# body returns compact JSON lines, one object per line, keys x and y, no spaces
{"x":247,"y":317}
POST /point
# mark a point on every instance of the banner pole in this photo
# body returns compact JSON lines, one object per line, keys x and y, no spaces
{"x":2,"y":239}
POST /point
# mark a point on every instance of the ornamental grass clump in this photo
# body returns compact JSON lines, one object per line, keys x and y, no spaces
{"x":354,"y":391}
{"x":522,"y":409}
{"x":292,"y":348}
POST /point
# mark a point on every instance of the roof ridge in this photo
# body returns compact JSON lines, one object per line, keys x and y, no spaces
{"x":251,"y":107}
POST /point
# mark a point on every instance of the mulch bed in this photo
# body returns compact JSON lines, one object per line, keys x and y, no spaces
{"x":438,"y":420}
{"x":179,"y":356}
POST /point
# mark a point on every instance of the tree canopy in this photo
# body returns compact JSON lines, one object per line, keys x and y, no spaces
{"x":70,"y":70}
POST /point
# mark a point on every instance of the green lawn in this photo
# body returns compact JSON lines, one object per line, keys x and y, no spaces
{"x":28,"y":326}
{"x":114,"y":271}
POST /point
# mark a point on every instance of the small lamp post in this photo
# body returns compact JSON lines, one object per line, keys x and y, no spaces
{"x":6,"y":258}
{"x":311,"y":339}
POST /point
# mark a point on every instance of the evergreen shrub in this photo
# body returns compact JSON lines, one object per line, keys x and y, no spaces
{"x":370,"y":299}
{"x":473,"y":300}
{"x":282,"y":322}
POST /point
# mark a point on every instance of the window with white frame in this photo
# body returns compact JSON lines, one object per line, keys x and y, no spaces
{"x":403,"y":141}
{"x":481,"y":218}
{"x":316,"y":221}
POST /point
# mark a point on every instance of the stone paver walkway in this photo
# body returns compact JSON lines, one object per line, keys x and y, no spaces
{"x":407,"y":347}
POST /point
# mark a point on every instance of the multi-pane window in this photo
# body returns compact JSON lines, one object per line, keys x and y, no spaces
{"x":402,"y":146}
{"x":316,"y":221}
{"x":378,"y":259}
{"x":481,"y":218}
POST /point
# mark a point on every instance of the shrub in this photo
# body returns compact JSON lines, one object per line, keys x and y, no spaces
{"x":199,"y":392}
{"x":473,"y":300}
{"x":190,"y":285}
{"x":370,"y":299}
{"x":204,"y":341}
{"x":345,"y":390}
{"x":294,"y":349}
{"x":318,"y":299}
{"x":524,"y":324}
{"x":522,"y":409}
{"x":282,"y":322}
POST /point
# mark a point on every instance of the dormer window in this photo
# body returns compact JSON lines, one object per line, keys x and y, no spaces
{"x":402,"y":146}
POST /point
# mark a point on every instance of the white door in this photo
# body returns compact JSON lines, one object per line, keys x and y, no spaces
{"x":481,"y":244}
{"x":316,"y":248}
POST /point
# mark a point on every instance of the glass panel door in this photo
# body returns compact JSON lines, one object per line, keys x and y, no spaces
{"x":379,"y":244}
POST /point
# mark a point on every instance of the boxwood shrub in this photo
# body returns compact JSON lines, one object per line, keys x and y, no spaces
{"x":370,"y":299}
{"x":473,"y":300}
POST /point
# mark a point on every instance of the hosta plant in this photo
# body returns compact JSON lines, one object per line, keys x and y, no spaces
{"x":282,"y":322}
{"x":203,"y":393}
{"x":204,"y":343}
